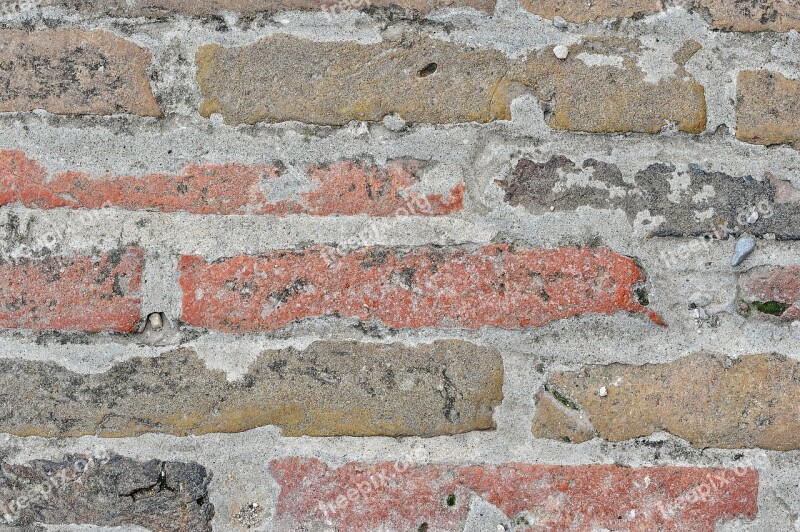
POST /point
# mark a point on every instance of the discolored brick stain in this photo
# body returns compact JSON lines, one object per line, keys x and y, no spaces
{"x":329,"y":389}
{"x":345,"y":187}
{"x":707,"y":399}
{"x":90,"y":293}
{"x":771,"y":292}
{"x":107,"y":491}
{"x":205,"y":7}
{"x":404,"y":496}
{"x":74,"y":72}
{"x":343,"y":82}
{"x":580,"y":11}
{"x":705,"y":202}
{"x":767,"y":108}
{"x":496,"y":285}
{"x":753,"y":15}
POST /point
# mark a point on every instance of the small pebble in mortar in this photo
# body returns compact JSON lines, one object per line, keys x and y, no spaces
{"x":744,"y":247}
{"x":561,"y":51}
{"x":559,"y":22}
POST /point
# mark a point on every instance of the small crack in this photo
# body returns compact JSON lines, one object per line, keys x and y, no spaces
{"x":152,"y":490}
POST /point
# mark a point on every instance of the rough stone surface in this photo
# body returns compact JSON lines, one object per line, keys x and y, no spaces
{"x":771,"y":292}
{"x":679,"y":202}
{"x":329,"y":389}
{"x":426,"y":287}
{"x":429,"y":81}
{"x":767,"y":108}
{"x":72,"y":293}
{"x":74,"y":72}
{"x":421,"y":79}
{"x":709,"y":400}
{"x":580,"y":11}
{"x":753,"y":15}
{"x":407,"y":496}
{"x":106,"y":490}
{"x":601,"y":88}
{"x":347,"y":187}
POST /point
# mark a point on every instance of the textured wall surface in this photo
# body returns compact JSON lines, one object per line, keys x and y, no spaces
{"x":400,"y":265}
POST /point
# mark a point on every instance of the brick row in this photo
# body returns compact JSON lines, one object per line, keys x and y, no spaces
{"x":423,"y":80}
{"x":409,"y":496}
{"x":497,"y":285}
{"x":728,"y":15}
{"x":345,"y":187}
{"x":328,"y":389}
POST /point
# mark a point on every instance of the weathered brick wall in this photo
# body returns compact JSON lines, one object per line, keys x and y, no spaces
{"x":400,"y":265}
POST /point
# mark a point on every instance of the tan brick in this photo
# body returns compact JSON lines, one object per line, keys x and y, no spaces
{"x":74,"y":72}
{"x":430,"y":81}
{"x":329,"y":389}
{"x":709,"y":400}
{"x":204,"y":7}
{"x":284,"y":78}
{"x":754,"y":15}
{"x":767,"y":108}
{"x":601,"y":98}
{"x":580,"y":11}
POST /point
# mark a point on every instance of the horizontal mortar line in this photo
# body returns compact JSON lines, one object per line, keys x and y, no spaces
{"x":561,"y":343}
{"x":266,"y":444}
{"x":264,"y":143}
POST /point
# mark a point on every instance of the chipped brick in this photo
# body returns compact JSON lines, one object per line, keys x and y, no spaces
{"x":771,"y":292}
{"x":107,"y":490}
{"x":767,"y":108}
{"x":495,"y":285}
{"x":74,"y":72}
{"x":346,"y":187}
{"x":328,"y":389}
{"x":708,"y":400}
{"x":706,"y":202}
{"x":408,"y":496}
{"x":72,"y":293}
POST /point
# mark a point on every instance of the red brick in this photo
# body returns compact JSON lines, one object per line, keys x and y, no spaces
{"x":75,"y":293}
{"x":403,"y":496}
{"x":772,"y":290}
{"x":346,"y":187}
{"x":496,"y":285}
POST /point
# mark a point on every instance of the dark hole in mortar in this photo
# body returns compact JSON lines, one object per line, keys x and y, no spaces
{"x":429,"y":69}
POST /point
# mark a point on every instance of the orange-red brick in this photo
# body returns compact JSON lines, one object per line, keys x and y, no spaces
{"x":495,"y":285}
{"x":345,"y":187}
{"x":72,"y":293}
{"x":404,"y":496}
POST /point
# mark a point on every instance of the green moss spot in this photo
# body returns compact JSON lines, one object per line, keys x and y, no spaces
{"x":561,"y":398}
{"x":451,"y":500}
{"x":641,"y":296}
{"x":774,"y":308}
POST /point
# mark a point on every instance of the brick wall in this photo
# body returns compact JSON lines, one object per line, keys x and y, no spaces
{"x":465,"y":265}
